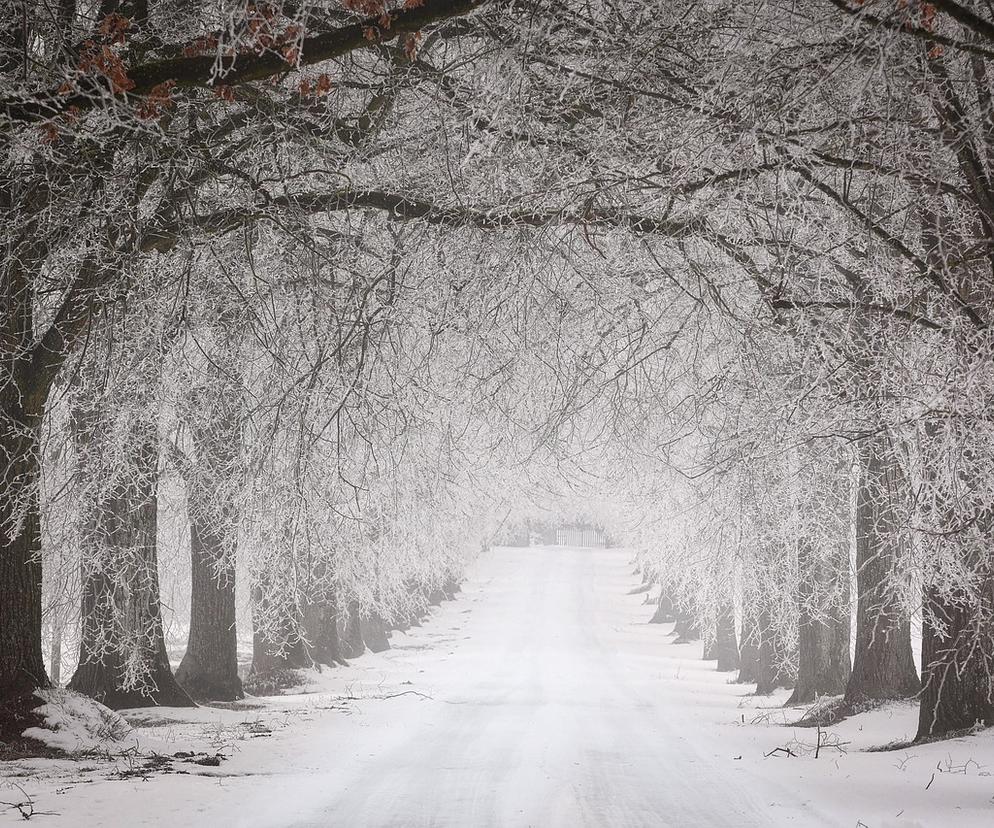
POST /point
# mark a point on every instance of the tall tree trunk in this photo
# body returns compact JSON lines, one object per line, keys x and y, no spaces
{"x":726,"y":651}
{"x":776,"y":668}
{"x":823,"y":626}
{"x":374,"y":633}
{"x":664,"y":610}
{"x":883,"y":667}
{"x":209,"y":670}
{"x":22,"y":667}
{"x":23,"y":395}
{"x":958,"y":612}
{"x":686,"y":628}
{"x":277,"y":644}
{"x":321,"y":625}
{"x":122,"y":659}
{"x":957,"y":660}
{"x":749,"y":651}
{"x":350,"y":632}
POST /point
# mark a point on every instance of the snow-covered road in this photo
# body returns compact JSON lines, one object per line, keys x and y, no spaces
{"x":539,"y":718}
{"x":539,"y":697}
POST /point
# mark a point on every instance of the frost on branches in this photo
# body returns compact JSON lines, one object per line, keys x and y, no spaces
{"x":305,"y":304}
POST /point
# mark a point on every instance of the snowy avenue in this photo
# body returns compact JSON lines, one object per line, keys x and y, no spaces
{"x":497,"y":413}
{"x":539,"y":697}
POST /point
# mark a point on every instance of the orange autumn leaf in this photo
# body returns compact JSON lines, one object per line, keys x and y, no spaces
{"x":323,"y":85}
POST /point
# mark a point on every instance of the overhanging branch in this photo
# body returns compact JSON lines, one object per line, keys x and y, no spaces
{"x":202,"y":71}
{"x":406,"y":208}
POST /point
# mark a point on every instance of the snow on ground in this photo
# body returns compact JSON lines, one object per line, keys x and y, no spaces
{"x":539,"y":697}
{"x":75,"y":723}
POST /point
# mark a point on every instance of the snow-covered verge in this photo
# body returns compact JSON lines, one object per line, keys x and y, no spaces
{"x":77,"y":724}
{"x":847,"y":772}
{"x":539,"y":697}
{"x":160,"y":766}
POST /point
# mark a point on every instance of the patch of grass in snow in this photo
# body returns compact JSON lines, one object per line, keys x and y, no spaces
{"x":16,"y":716}
{"x":274,"y":683}
{"x":75,"y":723}
{"x":902,"y":744}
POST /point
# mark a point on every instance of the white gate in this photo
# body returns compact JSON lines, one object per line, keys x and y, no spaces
{"x":579,"y":537}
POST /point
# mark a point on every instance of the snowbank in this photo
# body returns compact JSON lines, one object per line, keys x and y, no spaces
{"x":75,"y":723}
{"x":78,"y":724}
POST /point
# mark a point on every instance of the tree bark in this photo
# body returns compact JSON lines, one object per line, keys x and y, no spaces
{"x":883,"y":667}
{"x":686,"y":628}
{"x":775,"y":663}
{"x":749,"y":651}
{"x":726,"y":650}
{"x":22,"y":403}
{"x":350,"y":632}
{"x":123,"y":661}
{"x":22,"y":667}
{"x":321,"y":625}
{"x":275,"y":650}
{"x":958,"y":661}
{"x":664,"y":610}
{"x":209,"y":670}
{"x":374,"y":633}
{"x":823,"y":626}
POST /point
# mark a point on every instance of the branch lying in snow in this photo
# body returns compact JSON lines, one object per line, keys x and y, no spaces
{"x":388,"y":696}
{"x":26,"y":807}
{"x":202,"y":70}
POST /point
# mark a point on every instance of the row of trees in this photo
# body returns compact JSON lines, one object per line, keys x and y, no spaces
{"x":846,"y":429}
{"x":350,"y":269}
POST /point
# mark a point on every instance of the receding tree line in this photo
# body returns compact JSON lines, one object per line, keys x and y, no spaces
{"x":239,"y":196}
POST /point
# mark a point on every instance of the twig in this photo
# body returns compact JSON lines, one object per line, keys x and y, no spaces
{"x":27,"y":807}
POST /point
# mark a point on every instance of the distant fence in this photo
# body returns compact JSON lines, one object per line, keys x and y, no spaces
{"x":579,"y":537}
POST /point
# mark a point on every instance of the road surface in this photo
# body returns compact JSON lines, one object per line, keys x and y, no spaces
{"x":540,"y":697}
{"x":540,"y":717}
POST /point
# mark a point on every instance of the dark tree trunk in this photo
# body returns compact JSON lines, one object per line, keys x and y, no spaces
{"x":209,"y":670}
{"x":374,"y":633}
{"x":775,"y":662}
{"x":452,"y":587}
{"x":22,"y":668}
{"x":122,"y":660}
{"x":823,"y":626}
{"x":321,"y":625}
{"x":958,"y":661}
{"x":664,"y":610}
{"x":22,"y":403}
{"x":749,"y":651}
{"x":883,"y":667}
{"x":726,"y":651}
{"x":686,"y":628}
{"x":350,"y":632}
{"x":277,"y":650}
